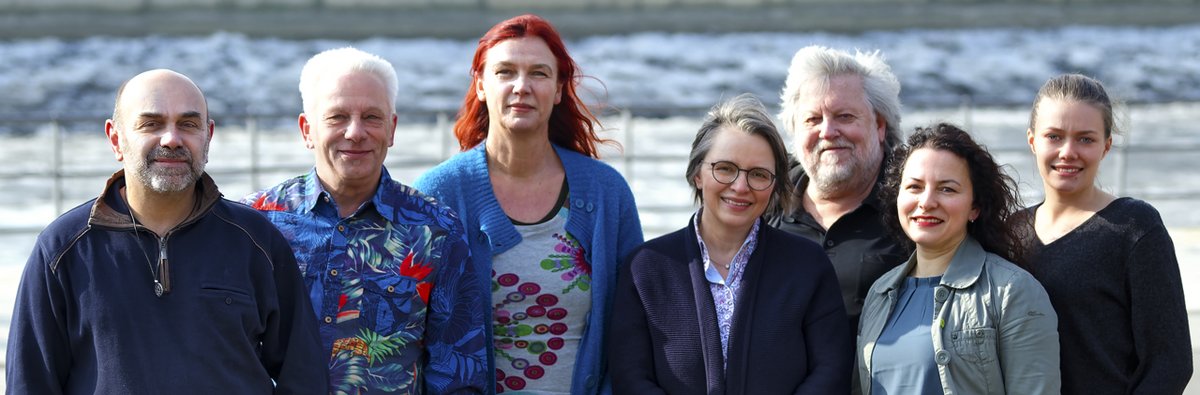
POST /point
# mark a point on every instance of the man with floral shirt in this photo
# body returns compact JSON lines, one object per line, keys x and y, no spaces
{"x":385,"y":265}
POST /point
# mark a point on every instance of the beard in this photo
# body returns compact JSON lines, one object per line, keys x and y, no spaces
{"x":168,"y":180}
{"x":854,"y":174}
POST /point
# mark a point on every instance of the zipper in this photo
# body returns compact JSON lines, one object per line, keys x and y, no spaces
{"x":164,"y":268}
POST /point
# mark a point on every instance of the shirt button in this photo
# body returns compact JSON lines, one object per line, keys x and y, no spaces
{"x":391,"y":289}
{"x":328,"y":319}
{"x":326,"y":198}
{"x":341,"y":228}
{"x":942,"y":357}
{"x":333,"y":272}
{"x":829,"y":243}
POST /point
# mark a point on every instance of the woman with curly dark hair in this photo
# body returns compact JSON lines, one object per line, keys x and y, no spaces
{"x":992,"y":328}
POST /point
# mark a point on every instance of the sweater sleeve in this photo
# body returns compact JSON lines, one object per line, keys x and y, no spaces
{"x":1160,"y":325}
{"x":827,"y":336}
{"x":631,"y":355}
{"x":38,"y":358}
{"x":291,"y":346}
{"x":455,"y":338}
{"x":1028,"y":344}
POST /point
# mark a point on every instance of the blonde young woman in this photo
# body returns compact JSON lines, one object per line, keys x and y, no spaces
{"x":1107,"y":263}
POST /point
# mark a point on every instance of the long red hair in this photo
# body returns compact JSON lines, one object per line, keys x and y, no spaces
{"x":572,"y":125}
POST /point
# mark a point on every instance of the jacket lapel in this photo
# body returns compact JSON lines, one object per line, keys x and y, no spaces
{"x":706,"y":314}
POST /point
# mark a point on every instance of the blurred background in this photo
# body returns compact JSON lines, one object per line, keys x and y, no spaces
{"x":652,"y":68}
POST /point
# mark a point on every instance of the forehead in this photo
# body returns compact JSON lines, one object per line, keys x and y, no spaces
{"x":357,"y":87}
{"x":745,"y":149}
{"x":1069,"y":115}
{"x":935,"y":165}
{"x":528,"y":50}
{"x":167,"y":96}
{"x":842,"y":91}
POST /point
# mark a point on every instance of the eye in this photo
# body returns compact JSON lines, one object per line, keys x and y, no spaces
{"x":912,"y":187}
{"x":947,"y":190}
{"x":1087,"y":140}
{"x":724,"y":168}
{"x":813,"y":120}
{"x":761,"y":174}
{"x":1053,"y":137}
{"x":846,"y":117}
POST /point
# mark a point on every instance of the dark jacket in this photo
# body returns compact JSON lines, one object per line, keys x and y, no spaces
{"x":235,"y":319}
{"x":789,"y":333}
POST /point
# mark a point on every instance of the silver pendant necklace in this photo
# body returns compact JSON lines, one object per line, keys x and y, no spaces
{"x":158,"y":287}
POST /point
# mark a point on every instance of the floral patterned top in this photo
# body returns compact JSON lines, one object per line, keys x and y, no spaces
{"x":726,"y":290}
{"x":541,"y":294}
{"x":388,"y":284}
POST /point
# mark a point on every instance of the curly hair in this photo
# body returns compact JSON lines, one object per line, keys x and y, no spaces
{"x":572,"y":125}
{"x":995,"y":193}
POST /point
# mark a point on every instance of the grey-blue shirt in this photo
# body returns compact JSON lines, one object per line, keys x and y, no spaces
{"x":903,"y":360}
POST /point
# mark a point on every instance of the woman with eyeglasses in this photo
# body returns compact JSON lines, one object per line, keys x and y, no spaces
{"x":729,"y":304}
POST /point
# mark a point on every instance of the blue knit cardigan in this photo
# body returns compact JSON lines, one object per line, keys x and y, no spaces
{"x":603,"y":217}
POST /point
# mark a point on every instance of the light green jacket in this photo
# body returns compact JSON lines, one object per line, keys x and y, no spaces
{"x":994,"y":331}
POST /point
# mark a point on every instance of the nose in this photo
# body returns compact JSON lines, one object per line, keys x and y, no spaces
{"x":826,"y":129}
{"x":356,"y":130}
{"x":1067,"y":151}
{"x":171,"y":137}
{"x":927,"y":200}
{"x":742,"y":182}
{"x":521,"y":85}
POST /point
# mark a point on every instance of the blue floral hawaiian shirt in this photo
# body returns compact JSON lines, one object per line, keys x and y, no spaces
{"x":396,"y":307}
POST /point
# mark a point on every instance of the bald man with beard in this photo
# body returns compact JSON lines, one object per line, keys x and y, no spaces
{"x":159,"y":285}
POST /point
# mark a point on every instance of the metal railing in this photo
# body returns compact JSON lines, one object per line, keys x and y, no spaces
{"x":435,"y":126}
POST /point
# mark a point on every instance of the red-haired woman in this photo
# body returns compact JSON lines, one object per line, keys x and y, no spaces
{"x":543,"y":216}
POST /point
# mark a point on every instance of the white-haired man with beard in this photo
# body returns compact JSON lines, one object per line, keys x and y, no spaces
{"x":843,"y":111}
{"x":159,"y":285}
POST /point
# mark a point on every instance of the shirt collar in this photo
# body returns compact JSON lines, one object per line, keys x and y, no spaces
{"x":737,"y":265}
{"x":317,"y":194}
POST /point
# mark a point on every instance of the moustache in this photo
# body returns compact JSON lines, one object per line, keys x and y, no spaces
{"x":180,"y":153}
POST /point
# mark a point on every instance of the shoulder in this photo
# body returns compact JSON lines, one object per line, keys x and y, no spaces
{"x":1132,"y":212}
{"x":245,"y":217}
{"x":668,"y":247}
{"x":64,"y":230}
{"x":592,"y":170}
{"x":285,"y":196}
{"x":1005,"y":274}
{"x":448,"y":175}
{"x":411,"y":205}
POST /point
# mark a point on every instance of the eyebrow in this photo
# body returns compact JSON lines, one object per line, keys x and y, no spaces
{"x":508,"y":63}
{"x":939,"y":182}
{"x":187,"y":114}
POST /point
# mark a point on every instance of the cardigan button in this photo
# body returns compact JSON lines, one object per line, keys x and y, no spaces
{"x":578,"y":203}
{"x":942,"y":357}
{"x":591,"y":381}
{"x":589,"y":207}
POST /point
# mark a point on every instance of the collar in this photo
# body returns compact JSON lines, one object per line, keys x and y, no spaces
{"x":964,"y":270}
{"x":315,"y":193}
{"x":736,"y":266}
{"x":111,"y":210}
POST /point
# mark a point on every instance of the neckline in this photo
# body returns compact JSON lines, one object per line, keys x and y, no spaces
{"x":1086,"y":223}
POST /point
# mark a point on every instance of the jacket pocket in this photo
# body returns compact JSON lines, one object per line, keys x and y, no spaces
{"x":228,"y":306}
{"x":975,"y":345}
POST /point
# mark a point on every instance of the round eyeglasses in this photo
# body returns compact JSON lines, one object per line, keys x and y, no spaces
{"x":758,"y":178}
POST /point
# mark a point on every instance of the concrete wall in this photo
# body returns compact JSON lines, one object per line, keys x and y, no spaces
{"x":351,"y":19}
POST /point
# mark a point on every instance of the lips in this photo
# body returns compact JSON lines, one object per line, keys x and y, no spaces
{"x":736,"y":204}
{"x":1067,"y":169}
{"x":926,"y":220}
